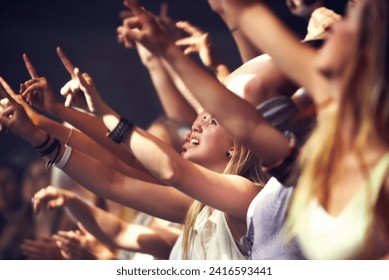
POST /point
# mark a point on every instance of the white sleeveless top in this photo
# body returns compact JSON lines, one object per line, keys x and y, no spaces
{"x":323,"y":236}
{"x":212,"y":239}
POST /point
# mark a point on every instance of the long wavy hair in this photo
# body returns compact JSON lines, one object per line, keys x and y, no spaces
{"x":242,"y":162}
{"x":364,"y":99}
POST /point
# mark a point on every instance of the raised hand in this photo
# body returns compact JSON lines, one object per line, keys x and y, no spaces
{"x":143,"y":27}
{"x":43,"y":248}
{"x":80,"y":88}
{"x":51,"y":197}
{"x":198,"y":42}
{"x":37,"y":91}
{"x":13,"y":115}
{"x":81,"y":245}
{"x":167,"y":24}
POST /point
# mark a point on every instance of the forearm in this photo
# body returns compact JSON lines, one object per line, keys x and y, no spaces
{"x":246,"y":49}
{"x":156,"y":241}
{"x":252,"y":17}
{"x":85,"y":144}
{"x":221,"y":71}
{"x":95,"y":129}
{"x":183,"y":89}
{"x":107,"y":183}
{"x":174,"y":104}
{"x":101,"y":224}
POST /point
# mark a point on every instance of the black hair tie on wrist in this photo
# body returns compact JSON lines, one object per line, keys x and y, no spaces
{"x":55,"y":144}
{"x":44,"y":143}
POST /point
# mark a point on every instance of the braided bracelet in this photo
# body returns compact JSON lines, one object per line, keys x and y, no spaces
{"x":44,"y":143}
{"x":121,"y":131}
{"x":50,"y":163}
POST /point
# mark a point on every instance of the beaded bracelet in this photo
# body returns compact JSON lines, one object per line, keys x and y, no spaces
{"x":121,"y":131}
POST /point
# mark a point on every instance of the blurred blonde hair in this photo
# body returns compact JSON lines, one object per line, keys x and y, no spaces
{"x":364,"y":99}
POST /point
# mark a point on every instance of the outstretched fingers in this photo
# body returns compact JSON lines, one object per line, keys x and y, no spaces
{"x":50,"y":197}
{"x":189,"y":28}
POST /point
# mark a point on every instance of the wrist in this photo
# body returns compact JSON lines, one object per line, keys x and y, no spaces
{"x":57,"y":109}
{"x":170,"y":52}
{"x":37,"y":137}
{"x":95,"y":104}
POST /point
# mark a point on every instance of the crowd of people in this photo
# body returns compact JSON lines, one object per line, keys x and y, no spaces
{"x":285,"y":157}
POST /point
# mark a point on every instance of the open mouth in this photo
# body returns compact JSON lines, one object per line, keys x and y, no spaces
{"x":194,"y":142}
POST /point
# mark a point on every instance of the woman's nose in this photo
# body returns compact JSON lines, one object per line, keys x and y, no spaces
{"x":196,"y":127}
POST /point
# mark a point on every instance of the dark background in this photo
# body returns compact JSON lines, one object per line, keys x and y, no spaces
{"x":86,"y":30}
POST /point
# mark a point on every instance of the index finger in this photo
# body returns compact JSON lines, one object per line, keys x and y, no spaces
{"x":7,"y":91}
{"x":66,"y":62}
{"x":30,"y":68}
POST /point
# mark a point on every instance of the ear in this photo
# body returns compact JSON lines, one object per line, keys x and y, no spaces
{"x":230,"y":152}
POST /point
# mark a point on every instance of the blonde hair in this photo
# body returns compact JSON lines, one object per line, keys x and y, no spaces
{"x":243,"y":163}
{"x":364,"y":99}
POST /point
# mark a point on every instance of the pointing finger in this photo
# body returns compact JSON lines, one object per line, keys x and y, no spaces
{"x":66,"y":62}
{"x":30,"y":68}
{"x":7,"y":91}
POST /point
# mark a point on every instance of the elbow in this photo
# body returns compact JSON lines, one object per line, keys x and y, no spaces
{"x":169,"y":173}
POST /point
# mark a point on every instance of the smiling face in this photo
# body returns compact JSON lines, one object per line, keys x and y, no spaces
{"x":208,"y":144}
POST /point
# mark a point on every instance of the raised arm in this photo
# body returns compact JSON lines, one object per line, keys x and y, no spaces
{"x":235,"y":114}
{"x":93,"y":174}
{"x":173,"y":103}
{"x":200,"y":42}
{"x":195,"y":180}
{"x":269,"y":34}
{"x":38,"y":92}
{"x":246,"y":48}
{"x":106,"y":227}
